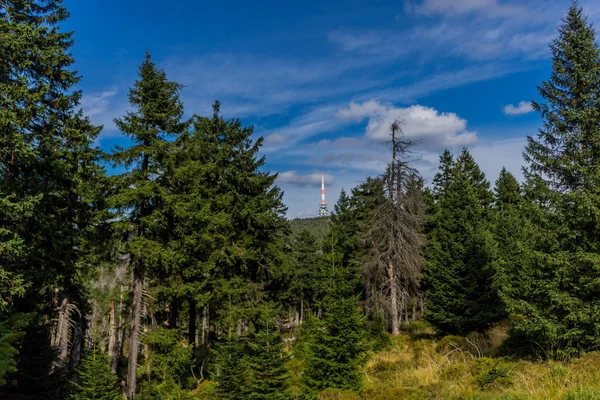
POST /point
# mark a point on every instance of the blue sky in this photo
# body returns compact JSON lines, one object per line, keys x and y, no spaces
{"x":322,"y":80}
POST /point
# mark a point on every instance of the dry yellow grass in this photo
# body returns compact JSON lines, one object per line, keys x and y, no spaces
{"x":461,"y":368}
{"x":416,"y":367}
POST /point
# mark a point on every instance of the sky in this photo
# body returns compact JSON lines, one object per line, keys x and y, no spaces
{"x":322,"y":80}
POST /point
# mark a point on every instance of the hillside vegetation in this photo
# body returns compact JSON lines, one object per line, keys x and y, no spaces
{"x":318,"y":226}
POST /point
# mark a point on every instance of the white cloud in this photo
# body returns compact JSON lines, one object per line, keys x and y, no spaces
{"x":293,"y":178}
{"x":524,"y":107}
{"x":425,"y":125}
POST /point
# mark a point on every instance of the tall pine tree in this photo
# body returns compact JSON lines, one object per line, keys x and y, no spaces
{"x":139,"y":192}
{"x":459,"y":274}
{"x":557,"y":294}
{"x":46,"y":165}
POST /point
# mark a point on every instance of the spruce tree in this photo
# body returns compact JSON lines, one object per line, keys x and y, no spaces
{"x":230,"y":367}
{"x":95,"y":380}
{"x":241,"y":243}
{"x":267,"y":360}
{"x":335,"y":344}
{"x":140,"y":191}
{"x":303,"y":278}
{"x":556,"y":297}
{"x":511,"y":235}
{"x":47,"y":164}
{"x":459,"y":275}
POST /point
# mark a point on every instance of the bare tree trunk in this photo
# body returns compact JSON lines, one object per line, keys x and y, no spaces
{"x":77,"y":343}
{"x":192,"y":324}
{"x":414,"y":312}
{"x":62,"y":333}
{"x":204,"y":324}
{"x":301,"y":311}
{"x":112,"y":333}
{"x":54,"y":332}
{"x":120,"y":338}
{"x":134,"y":330}
{"x":393,"y":300}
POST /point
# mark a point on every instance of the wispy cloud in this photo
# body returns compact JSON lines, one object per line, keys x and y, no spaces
{"x":524,"y":107}
{"x":103,"y":107}
{"x":492,"y":8}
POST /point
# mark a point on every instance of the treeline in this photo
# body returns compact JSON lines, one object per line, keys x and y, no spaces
{"x":181,"y":269}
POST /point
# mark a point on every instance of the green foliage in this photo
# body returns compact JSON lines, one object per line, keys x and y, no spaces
{"x":377,"y":332}
{"x":459,"y":274}
{"x":336,"y":345}
{"x":301,"y":277}
{"x":554,"y":295}
{"x":268,"y":372}
{"x":95,"y":380}
{"x":48,"y":165}
{"x":230,"y":368}
{"x":11,"y":332}
{"x":151,"y":390}
{"x":317,"y":226}
{"x":169,"y":359}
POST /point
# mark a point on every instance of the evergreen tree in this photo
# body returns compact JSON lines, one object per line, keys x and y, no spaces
{"x":139,"y":192}
{"x":243,"y":241}
{"x":230,"y":368}
{"x":267,"y":361}
{"x":335,"y":344}
{"x":556,"y":296}
{"x":510,"y":234}
{"x":459,"y":274}
{"x":95,"y":380}
{"x":302,"y":281}
{"x":47,"y":164}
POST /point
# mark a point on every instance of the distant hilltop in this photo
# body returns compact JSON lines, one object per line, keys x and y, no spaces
{"x":318,"y":226}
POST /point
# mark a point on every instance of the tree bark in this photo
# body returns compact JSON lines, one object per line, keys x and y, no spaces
{"x":112,"y":333}
{"x":134,"y":330}
{"x":204,"y":324}
{"x":192,"y":337}
{"x":62,"y":334}
{"x":301,"y":311}
{"x":393,"y":300}
{"x":77,"y":343}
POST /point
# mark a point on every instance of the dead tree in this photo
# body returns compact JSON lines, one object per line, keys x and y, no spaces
{"x":394,"y":239}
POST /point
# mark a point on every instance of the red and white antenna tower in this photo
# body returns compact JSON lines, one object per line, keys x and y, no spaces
{"x":323,"y":208}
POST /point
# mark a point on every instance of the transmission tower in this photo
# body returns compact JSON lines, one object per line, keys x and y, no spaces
{"x":323,"y":208}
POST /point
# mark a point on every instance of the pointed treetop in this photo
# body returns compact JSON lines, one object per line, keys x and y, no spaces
{"x":507,"y":190}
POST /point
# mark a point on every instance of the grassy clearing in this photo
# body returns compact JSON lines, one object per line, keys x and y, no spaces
{"x":418,"y":367}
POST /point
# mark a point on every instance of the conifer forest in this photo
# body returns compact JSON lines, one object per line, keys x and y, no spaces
{"x":168,"y":269}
